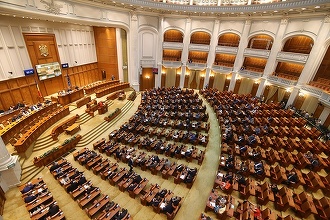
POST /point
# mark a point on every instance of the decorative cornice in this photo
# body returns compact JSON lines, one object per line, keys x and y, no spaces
{"x":296,"y":57}
{"x":199,"y":47}
{"x":256,"y":52}
{"x":225,"y":49}
{"x":227,"y":9}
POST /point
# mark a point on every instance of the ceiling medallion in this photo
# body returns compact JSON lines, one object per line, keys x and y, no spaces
{"x":51,"y":7}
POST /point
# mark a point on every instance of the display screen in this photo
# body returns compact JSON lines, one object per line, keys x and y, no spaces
{"x":48,"y":70}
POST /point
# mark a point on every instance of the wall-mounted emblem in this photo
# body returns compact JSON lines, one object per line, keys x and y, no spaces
{"x":43,"y":50}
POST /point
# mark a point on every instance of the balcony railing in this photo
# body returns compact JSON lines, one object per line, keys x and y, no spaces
{"x":325,"y":97}
{"x":256,"y":52}
{"x":196,"y":66}
{"x":172,"y":64}
{"x":199,"y":47}
{"x":250,"y":74}
{"x":317,"y":92}
{"x":226,"y":49}
{"x":295,"y":57}
{"x":219,"y":68}
{"x":281,"y":81}
{"x":173,"y":45}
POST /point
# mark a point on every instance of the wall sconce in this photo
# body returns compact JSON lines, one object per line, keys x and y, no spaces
{"x":288,"y":90}
{"x":147,"y":77}
{"x":301,"y":94}
{"x":211,"y":75}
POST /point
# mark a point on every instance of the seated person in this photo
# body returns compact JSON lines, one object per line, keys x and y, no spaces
{"x":121,"y":214}
{"x":53,"y":209}
{"x":30,"y":198}
{"x":241,"y":180}
{"x":28,"y":187}
{"x":274,"y":188}
{"x":292,"y":178}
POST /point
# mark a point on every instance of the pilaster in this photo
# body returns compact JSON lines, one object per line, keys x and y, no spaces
{"x":119,"y":45}
{"x":294,"y":94}
{"x":277,"y":46}
{"x":232,"y":81}
{"x":134,"y":67}
{"x":211,"y":55}
{"x":185,"y":51}
{"x":261,"y":87}
{"x":159,"y":54}
{"x":317,"y":53}
{"x":242,"y":45}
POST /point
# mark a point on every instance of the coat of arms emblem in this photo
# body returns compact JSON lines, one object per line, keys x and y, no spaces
{"x":43,"y":50}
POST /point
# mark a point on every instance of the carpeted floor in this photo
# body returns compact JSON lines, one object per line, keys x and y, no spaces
{"x":194,"y":198}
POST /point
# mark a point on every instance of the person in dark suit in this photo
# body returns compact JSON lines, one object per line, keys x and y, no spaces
{"x":130,"y":164}
{"x":121,"y":214}
{"x":53,"y":209}
{"x":28,"y":187}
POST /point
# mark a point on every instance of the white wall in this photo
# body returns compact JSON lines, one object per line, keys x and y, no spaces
{"x":76,"y":44}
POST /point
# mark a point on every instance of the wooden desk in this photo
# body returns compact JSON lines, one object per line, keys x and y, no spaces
{"x":70,"y":97}
{"x":58,"y":129}
{"x":89,"y":198}
{"x":71,"y":130}
{"x":98,"y":205}
{"x":45,"y":199}
{"x":37,"y":129}
{"x":147,"y":198}
{"x":15,"y":128}
{"x":80,"y":190}
{"x":108,"y":215}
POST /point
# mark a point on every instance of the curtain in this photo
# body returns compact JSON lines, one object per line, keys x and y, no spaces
{"x":191,"y":77}
{"x":170,"y":77}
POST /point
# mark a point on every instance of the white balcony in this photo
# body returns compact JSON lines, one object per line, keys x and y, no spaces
{"x":196,"y":66}
{"x":173,"y":45}
{"x":281,"y":81}
{"x":325,"y":97}
{"x":199,"y":47}
{"x":171,"y":64}
{"x":316,"y":92}
{"x":221,"y":69}
{"x":250,"y":74}
{"x":256,"y":53}
{"x":226,"y":49}
{"x":147,"y":63}
{"x":292,"y":57}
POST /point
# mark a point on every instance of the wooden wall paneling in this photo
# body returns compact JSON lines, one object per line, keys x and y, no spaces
{"x":177,"y":78}
{"x":211,"y":81}
{"x":237,"y":85}
{"x":266,"y":91}
{"x":318,"y":110}
{"x":7,"y":99}
{"x":163,"y":80}
{"x":26,"y":95}
{"x":17,"y":95}
{"x":254,"y":88}
{"x":227,"y":83}
{"x":186,"y":80}
{"x":201,"y":82}
{"x":298,"y":102}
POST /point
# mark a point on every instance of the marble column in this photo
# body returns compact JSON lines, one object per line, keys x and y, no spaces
{"x":10,"y":168}
{"x":261,"y":87}
{"x":294,"y":94}
{"x":159,"y":55}
{"x":211,"y":54}
{"x":277,"y":46}
{"x":244,"y":41}
{"x":119,"y":45}
{"x":185,"y":51}
{"x":317,"y":53}
{"x":134,"y":66}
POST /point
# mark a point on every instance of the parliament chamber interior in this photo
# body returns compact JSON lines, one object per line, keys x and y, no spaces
{"x":165,"y":109}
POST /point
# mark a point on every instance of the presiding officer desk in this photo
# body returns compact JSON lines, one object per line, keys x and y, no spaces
{"x":70,"y":96}
{"x":37,"y":129}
